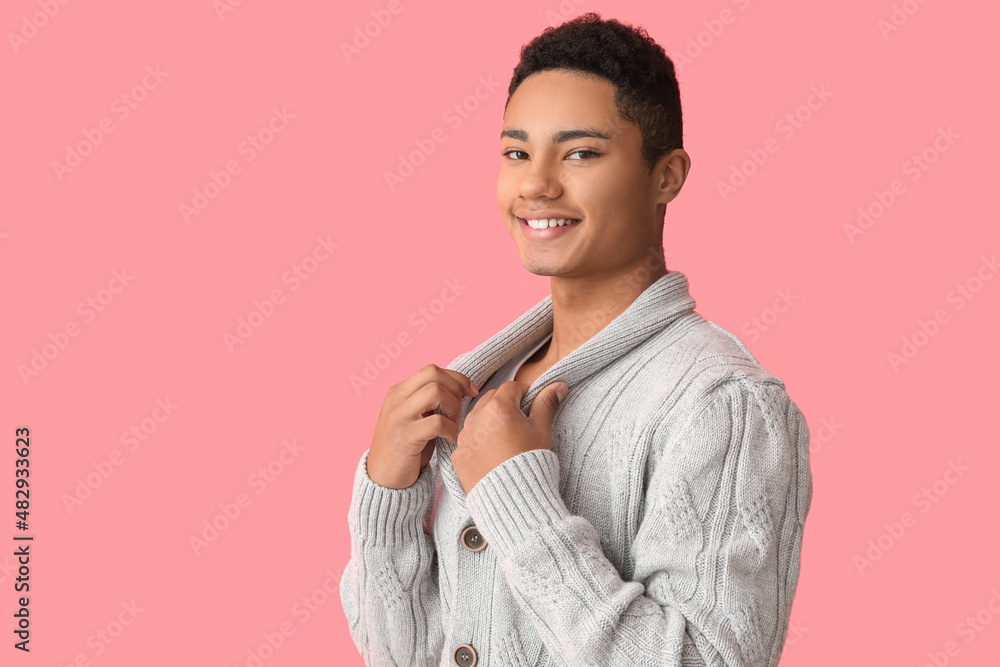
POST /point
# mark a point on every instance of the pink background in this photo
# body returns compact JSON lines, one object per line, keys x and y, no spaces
{"x":883,"y":431}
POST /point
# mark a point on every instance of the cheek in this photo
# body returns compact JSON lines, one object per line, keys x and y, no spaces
{"x":623,"y":195}
{"x":602,"y":196}
{"x":608,"y":188}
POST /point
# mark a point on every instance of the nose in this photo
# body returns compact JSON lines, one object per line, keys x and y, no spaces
{"x":540,"y":179}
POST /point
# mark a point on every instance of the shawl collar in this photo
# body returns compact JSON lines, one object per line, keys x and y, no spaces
{"x":656,"y":307}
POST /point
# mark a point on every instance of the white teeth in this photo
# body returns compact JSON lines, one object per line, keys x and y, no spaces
{"x":551,"y":222}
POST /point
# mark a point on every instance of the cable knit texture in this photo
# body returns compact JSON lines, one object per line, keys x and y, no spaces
{"x":663,"y":527}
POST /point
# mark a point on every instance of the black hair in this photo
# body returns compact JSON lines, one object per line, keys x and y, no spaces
{"x":646,"y":90}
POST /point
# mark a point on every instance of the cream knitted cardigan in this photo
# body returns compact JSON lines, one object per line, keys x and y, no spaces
{"x":664,"y":526}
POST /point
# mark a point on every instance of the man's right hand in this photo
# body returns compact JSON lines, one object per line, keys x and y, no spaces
{"x":408,"y":424}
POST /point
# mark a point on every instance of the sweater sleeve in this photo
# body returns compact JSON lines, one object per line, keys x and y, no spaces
{"x":715,"y":558}
{"x":389,"y":589}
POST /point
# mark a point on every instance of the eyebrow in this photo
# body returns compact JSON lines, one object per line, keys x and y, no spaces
{"x":559,"y":137}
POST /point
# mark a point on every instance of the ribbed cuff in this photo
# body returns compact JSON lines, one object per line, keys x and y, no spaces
{"x":517,"y":497}
{"x":381,"y":516}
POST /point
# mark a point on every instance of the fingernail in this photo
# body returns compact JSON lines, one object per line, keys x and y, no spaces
{"x":562,"y":390}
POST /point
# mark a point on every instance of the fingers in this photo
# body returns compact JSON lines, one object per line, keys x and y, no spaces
{"x":543,"y":406}
{"x":425,"y":456}
{"x":433,"y":426}
{"x":457,"y":383}
{"x":546,"y":402}
{"x":419,"y":413}
{"x":408,"y":423}
{"x":467,"y":386}
{"x":431,"y":397}
{"x":511,"y":391}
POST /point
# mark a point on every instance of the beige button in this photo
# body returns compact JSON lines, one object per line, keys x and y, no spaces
{"x":464,"y":656}
{"x":472,"y":539}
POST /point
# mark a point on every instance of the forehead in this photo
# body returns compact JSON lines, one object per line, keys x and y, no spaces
{"x":555,"y":99}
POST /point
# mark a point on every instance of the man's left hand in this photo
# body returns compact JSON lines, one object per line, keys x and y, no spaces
{"x":497,"y":429}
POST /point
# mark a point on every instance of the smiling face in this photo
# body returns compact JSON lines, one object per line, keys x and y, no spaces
{"x":567,"y":153}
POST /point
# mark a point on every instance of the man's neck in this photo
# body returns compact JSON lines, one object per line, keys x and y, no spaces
{"x":582,"y":307}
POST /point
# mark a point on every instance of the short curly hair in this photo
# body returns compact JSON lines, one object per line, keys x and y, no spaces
{"x":646,"y":92}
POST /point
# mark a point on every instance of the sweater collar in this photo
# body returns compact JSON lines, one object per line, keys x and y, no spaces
{"x":654,"y":309}
{"x":657,"y":306}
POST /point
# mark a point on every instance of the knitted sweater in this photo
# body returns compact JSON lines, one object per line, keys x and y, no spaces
{"x":663,"y":527}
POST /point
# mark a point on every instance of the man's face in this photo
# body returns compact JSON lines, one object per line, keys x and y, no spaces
{"x":603,"y":182}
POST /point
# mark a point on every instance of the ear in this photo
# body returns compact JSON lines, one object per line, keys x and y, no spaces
{"x":670,"y":173}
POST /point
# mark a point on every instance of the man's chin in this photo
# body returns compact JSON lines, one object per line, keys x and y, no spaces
{"x":542,"y":269}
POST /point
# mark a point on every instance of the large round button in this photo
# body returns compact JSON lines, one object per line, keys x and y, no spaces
{"x":464,"y":656}
{"x":472,"y":539}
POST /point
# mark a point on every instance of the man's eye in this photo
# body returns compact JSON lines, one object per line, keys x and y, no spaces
{"x":584,"y":154}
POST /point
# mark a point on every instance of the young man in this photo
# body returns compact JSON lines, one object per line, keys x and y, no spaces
{"x":652,"y":515}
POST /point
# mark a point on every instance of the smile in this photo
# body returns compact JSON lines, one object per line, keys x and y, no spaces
{"x":543,"y":223}
{"x":544,"y":229}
